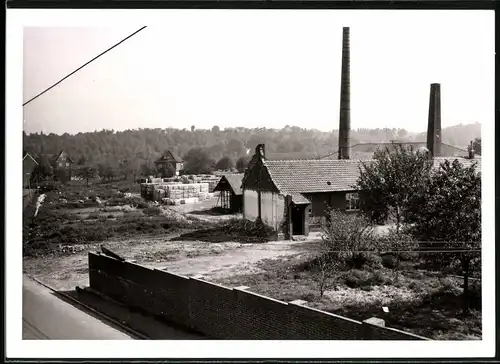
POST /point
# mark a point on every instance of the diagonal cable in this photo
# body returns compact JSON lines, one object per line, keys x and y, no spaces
{"x":79,"y":68}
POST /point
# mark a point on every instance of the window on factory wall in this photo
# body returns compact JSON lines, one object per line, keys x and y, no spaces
{"x":352,"y":201}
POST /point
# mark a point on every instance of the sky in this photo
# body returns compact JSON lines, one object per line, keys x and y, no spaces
{"x":260,"y":69}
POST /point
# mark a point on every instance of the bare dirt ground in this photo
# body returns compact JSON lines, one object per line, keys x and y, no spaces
{"x":212,"y":260}
{"x":188,"y":258}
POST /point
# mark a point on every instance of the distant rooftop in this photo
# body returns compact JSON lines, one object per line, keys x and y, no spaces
{"x":364,"y":151}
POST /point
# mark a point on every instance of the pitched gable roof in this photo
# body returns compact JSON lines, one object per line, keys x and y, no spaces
{"x":308,"y":176}
{"x":28,"y":156}
{"x":68,"y":158}
{"x":169,"y":156}
{"x":295,"y":177}
{"x":234,"y":180}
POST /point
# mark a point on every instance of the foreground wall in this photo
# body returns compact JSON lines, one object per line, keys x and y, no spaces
{"x":224,"y":313}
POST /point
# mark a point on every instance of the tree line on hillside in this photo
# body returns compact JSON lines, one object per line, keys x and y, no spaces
{"x":108,"y":146}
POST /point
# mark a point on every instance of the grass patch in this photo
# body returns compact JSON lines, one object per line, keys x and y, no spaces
{"x":419,"y":302}
{"x":53,"y":228}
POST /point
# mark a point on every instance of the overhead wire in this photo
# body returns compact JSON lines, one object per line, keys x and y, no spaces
{"x":84,"y":65}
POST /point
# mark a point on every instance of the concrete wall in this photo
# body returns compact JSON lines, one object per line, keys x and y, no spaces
{"x":220,"y":312}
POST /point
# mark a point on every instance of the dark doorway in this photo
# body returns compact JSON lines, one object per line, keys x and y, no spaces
{"x":298,"y":215}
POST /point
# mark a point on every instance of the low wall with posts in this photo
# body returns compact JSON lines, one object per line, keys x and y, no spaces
{"x":224,"y":313}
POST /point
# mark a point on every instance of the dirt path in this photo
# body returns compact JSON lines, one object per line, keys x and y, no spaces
{"x":233,"y":261}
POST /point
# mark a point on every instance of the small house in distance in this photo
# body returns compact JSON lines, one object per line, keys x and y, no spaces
{"x":29,"y":164}
{"x":62,"y":163}
{"x":231,"y":193}
{"x":170,"y":159}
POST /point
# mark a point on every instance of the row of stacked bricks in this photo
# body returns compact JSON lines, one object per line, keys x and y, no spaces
{"x":183,"y":191}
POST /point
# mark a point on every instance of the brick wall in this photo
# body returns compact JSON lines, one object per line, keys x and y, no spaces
{"x":224,"y":313}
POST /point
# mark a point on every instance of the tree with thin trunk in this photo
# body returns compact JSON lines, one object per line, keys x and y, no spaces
{"x":386,"y":183}
{"x":447,"y":212}
{"x":87,"y":173}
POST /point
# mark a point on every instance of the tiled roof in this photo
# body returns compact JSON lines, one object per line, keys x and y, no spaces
{"x":309,"y":176}
{"x":306,"y":176}
{"x":355,"y":155}
{"x":292,"y":156}
{"x":466,"y":162}
{"x":234,"y":180}
{"x":299,"y":199}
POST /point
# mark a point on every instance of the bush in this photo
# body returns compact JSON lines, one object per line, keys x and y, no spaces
{"x":348,"y":237}
{"x":152,"y":211}
{"x":252,"y":231}
{"x":362,"y":279}
{"x":370,"y":259}
{"x":450,"y":286}
{"x":390,"y":261}
{"x":142,"y":205}
{"x":356,"y":278}
{"x":93,"y":216}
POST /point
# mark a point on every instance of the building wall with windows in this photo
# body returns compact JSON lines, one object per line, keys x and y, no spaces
{"x":344,"y":201}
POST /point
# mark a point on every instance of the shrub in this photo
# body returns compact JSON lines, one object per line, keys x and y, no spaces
{"x":152,"y":211}
{"x":249,"y":231}
{"x":356,"y":278}
{"x":362,"y":259}
{"x":360,"y":279}
{"x":93,"y":216}
{"x":142,"y":205}
{"x":390,"y":261}
{"x":347,"y":237}
{"x":449,"y":286}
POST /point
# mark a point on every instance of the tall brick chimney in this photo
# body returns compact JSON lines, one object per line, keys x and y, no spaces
{"x":434,"y":124}
{"x":471,"y":151}
{"x":345,"y":99}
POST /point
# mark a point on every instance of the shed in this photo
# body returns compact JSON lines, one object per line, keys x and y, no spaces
{"x":231,"y":193}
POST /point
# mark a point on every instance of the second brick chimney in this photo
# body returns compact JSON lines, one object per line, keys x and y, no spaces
{"x":434,"y":124}
{"x":345,"y":99}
